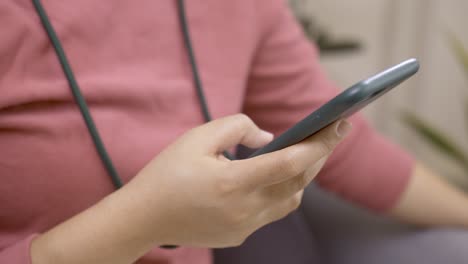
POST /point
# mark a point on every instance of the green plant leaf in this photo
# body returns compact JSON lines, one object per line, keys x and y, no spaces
{"x":460,"y":52}
{"x":436,"y":138}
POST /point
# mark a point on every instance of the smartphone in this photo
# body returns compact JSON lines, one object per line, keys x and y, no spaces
{"x":343,"y":105}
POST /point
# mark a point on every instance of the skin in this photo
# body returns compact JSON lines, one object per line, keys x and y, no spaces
{"x":430,"y":201}
{"x":191,"y":195}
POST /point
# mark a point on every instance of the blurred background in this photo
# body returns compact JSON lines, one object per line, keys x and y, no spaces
{"x":427,"y":115}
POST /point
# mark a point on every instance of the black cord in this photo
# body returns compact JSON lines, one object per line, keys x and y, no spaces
{"x":192,"y":60}
{"x":193,"y":63}
{"x":80,"y":100}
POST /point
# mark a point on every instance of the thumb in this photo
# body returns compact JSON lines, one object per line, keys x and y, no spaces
{"x":224,"y":133}
{"x":284,"y":164}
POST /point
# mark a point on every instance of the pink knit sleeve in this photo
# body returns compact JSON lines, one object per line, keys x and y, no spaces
{"x":17,"y":253}
{"x":287,"y":83}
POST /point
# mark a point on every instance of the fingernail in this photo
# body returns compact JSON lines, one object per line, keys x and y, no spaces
{"x":343,"y":129}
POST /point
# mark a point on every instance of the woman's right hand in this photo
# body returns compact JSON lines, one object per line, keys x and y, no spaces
{"x":191,"y":195}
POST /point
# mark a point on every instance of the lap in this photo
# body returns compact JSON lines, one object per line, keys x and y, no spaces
{"x":286,"y":241}
{"x":349,"y":235}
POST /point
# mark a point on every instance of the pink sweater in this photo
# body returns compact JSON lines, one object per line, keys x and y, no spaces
{"x":130,"y":61}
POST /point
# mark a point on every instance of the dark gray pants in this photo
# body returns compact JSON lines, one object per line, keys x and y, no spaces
{"x":328,"y":231}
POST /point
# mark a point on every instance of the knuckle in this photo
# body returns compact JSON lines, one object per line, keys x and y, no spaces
{"x":242,"y":122}
{"x":312,"y":171}
{"x":239,"y":241}
{"x":301,"y":182}
{"x":325,"y":146}
{"x":289,"y":165}
{"x":236,"y":218}
{"x":289,"y":206}
{"x":226,"y":185}
{"x":310,"y":175}
{"x":295,"y":202}
{"x":243,"y":119}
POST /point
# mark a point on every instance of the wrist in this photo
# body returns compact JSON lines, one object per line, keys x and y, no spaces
{"x":112,"y":231}
{"x":134,"y":219}
{"x":140,"y":210}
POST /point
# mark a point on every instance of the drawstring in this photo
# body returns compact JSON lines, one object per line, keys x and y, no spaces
{"x":81,"y":102}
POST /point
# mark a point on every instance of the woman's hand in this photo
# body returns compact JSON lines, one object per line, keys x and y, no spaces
{"x":191,"y":195}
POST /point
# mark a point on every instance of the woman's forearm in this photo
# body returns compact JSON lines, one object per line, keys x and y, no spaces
{"x":430,"y":201}
{"x":105,"y":233}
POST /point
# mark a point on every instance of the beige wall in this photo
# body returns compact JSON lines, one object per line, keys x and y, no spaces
{"x":393,"y":31}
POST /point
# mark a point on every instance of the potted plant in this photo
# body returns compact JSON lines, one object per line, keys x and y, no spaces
{"x":434,"y":136}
